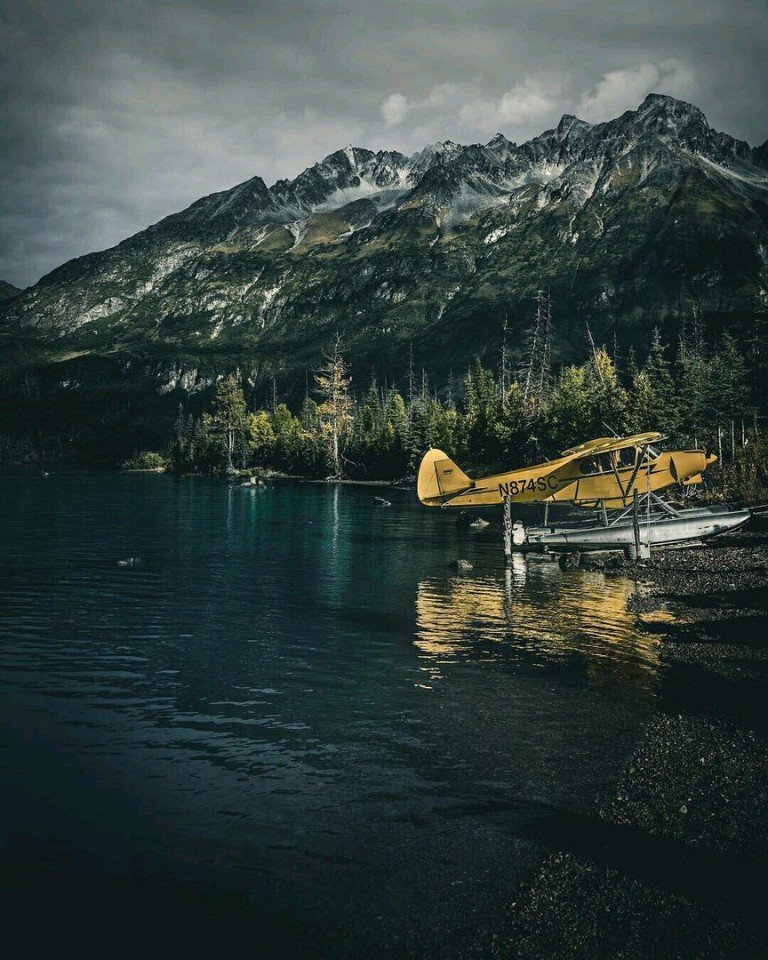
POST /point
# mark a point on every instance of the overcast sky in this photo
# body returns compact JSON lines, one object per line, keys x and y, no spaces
{"x":114,"y":114}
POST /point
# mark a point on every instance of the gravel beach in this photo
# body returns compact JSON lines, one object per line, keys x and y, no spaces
{"x":674,"y":863}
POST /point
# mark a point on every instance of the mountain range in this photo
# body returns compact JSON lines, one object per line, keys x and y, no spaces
{"x":628,"y":224}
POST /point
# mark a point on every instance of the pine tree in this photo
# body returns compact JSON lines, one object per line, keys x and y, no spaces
{"x":632,"y":367}
{"x":569,"y":409}
{"x":587,"y":400}
{"x":504,"y":360}
{"x":229,"y":416}
{"x":450,"y":392}
{"x":189,"y":449}
{"x":692,"y":376}
{"x":536,"y":378}
{"x":727,"y":384}
{"x":288,"y":437}
{"x":607,"y":398}
{"x":757,"y":362}
{"x":511,"y":428}
{"x":655,"y":390}
{"x":309,"y":416}
{"x":643,"y":403}
{"x":177,"y":444}
{"x":411,"y":377}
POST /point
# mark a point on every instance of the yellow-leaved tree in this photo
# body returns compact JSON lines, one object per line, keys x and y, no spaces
{"x":332,"y":385}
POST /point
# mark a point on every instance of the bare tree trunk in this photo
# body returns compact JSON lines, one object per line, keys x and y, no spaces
{"x":230,"y":449}
{"x":636,"y":522}
{"x":508,"y":530}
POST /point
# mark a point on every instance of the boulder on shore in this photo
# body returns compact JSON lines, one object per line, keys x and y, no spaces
{"x":602,"y":560}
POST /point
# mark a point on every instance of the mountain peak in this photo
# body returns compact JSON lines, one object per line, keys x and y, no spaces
{"x":664,"y":100}
{"x":679,"y":124}
{"x":661,"y":104}
{"x":568,"y":123}
{"x":8,"y":290}
{"x":439,"y":146}
{"x":349,"y":155}
{"x":760,"y":155}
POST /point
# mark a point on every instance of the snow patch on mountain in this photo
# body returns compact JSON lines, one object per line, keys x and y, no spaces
{"x":259,"y":236}
{"x":268,"y":297}
{"x":298,"y":230}
{"x":495,"y":235}
{"x":750,"y":176}
{"x":384,"y":197}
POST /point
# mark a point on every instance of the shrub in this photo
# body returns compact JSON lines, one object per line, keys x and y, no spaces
{"x":146,"y":460}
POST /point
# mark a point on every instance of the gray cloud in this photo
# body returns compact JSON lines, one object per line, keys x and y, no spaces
{"x":114,"y":115}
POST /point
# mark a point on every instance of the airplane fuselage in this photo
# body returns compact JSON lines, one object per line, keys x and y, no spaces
{"x":614,"y":485}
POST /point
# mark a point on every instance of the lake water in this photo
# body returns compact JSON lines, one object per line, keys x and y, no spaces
{"x":290,"y":729}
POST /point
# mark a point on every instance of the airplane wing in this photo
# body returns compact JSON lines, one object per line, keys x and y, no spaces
{"x":588,"y":447}
{"x":609,"y":444}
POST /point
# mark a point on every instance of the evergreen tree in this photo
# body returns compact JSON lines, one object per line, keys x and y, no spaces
{"x":569,"y":408}
{"x":310,"y":416}
{"x":757,"y":363}
{"x":512,"y":427}
{"x":229,"y":416}
{"x":587,"y":400}
{"x":177,"y":444}
{"x":288,"y":437}
{"x":726,"y":389}
{"x":643,"y":403}
{"x":477,"y":430}
{"x":692,"y":415}
{"x":606,"y":397}
{"x":660,"y":411}
{"x":397,"y":421}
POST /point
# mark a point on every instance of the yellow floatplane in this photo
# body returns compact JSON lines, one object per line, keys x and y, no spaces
{"x":609,"y":473}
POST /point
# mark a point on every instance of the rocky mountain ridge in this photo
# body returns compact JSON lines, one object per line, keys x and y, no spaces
{"x":8,"y":291}
{"x":629,"y":223}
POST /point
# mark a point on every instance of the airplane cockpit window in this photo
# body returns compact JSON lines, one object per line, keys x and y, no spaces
{"x":627,"y":457}
{"x":587,"y":465}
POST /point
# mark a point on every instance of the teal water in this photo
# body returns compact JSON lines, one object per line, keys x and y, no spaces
{"x":290,"y":729}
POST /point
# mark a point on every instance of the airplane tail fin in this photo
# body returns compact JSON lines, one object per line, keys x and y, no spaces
{"x":438,"y":478}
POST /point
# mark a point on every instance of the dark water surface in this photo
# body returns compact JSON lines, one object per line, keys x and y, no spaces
{"x":290,"y":729}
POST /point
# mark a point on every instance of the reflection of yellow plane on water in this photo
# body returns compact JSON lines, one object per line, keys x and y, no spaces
{"x":467,"y":615}
{"x":603,"y":472}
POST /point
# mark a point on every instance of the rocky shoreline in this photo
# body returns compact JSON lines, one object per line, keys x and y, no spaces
{"x":677,"y":857}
